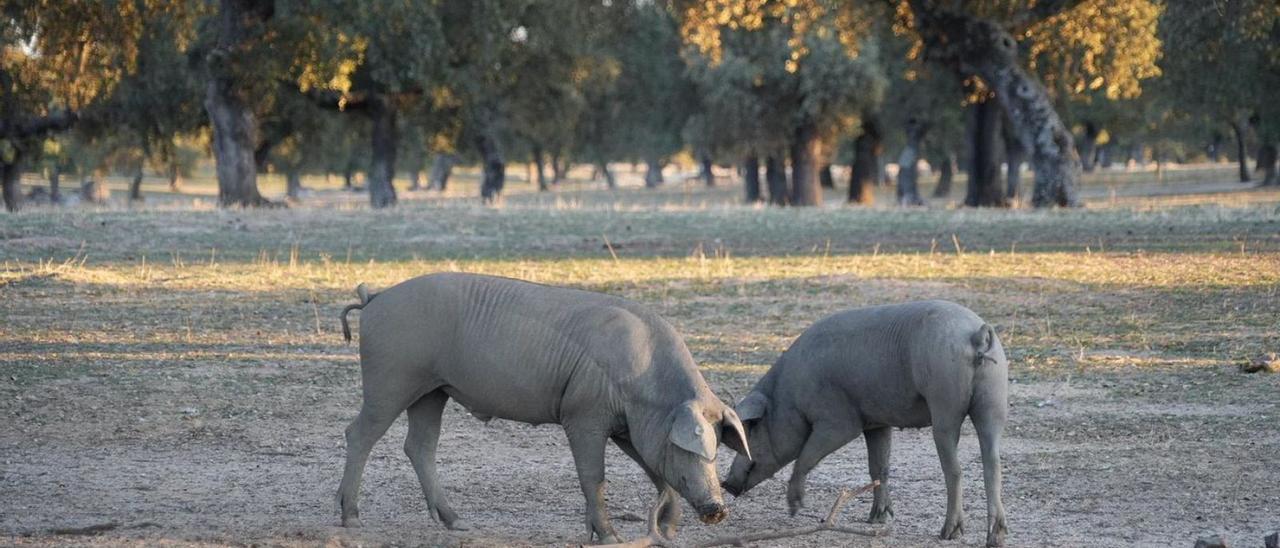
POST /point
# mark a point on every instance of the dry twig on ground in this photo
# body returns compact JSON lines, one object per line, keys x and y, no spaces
{"x":828,"y":523}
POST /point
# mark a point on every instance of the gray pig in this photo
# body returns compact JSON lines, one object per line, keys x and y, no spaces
{"x":865,"y":371}
{"x":601,"y":366}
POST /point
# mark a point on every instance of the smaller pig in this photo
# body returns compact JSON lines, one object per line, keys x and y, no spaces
{"x":865,"y":371}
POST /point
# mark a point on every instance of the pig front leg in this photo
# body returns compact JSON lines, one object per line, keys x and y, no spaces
{"x":879,"y":442}
{"x":946,"y":437}
{"x":824,"y":438}
{"x":587,"y":445}
{"x":667,"y":509}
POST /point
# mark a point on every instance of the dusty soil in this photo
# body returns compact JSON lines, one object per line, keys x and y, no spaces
{"x":1111,"y":460}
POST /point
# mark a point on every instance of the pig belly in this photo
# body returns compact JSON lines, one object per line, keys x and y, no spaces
{"x":914,"y":415}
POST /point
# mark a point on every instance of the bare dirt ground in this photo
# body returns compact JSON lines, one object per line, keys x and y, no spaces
{"x":178,"y":377}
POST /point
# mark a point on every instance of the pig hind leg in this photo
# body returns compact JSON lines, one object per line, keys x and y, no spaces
{"x":946,"y":437}
{"x":989,"y":421}
{"x":420,"y":446}
{"x":879,"y":443}
{"x":667,"y":509}
{"x":825,"y":437}
{"x":364,"y":431}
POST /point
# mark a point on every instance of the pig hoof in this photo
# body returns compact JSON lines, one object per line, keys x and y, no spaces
{"x":995,"y":535}
{"x":668,"y":532}
{"x":952,"y":531}
{"x":458,"y":525}
{"x":610,"y":539}
{"x":352,"y":522}
{"x":880,"y":515}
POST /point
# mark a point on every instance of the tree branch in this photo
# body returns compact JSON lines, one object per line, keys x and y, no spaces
{"x":334,"y":100}
{"x":1043,"y":9}
{"x":38,"y":127}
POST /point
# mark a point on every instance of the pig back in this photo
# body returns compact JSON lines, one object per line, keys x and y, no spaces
{"x":876,"y":361}
{"x":505,"y":348}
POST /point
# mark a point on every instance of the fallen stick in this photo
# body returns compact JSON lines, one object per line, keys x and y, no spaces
{"x":827,"y":524}
{"x":98,"y":529}
{"x":90,"y":530}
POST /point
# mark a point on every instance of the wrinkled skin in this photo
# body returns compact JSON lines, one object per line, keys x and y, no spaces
{"x":866,"y":371}
{"x":600,"y":366}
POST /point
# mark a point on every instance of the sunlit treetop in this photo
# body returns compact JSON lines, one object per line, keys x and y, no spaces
{"x":1091,"y":45}
{"x":64,"y":55}
{"x":1105,"y":46}
{"x":703,"y":21}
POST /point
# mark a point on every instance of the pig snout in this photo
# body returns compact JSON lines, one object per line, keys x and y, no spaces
{"x":712,"y":513}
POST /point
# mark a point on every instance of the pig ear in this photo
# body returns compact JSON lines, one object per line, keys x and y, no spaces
{"x":733,"y":434}
{"x":753,"y":406}
{"x":692,"y":432}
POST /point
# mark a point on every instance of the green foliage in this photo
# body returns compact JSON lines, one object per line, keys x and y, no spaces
{"x":1227,"y":60}
{"x":755,"y":95}
{"x":636,"y":94}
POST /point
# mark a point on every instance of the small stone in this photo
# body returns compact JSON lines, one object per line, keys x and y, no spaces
{"x":1268,"y":363}
{"x":1211,"y":541}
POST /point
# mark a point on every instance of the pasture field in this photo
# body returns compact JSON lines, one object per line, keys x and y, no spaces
{"x":176,"y":375}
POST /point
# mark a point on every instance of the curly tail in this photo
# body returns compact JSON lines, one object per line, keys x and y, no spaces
{"x":365,"y":297}
{"x":983,"y":339}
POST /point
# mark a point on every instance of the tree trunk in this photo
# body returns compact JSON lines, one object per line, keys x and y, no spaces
{"x":1013,"y":157}
{"x":1267,"y":159}
{"x":293,"y":183}
{"x":864,"y":172}
{"x":235,"y":128}
{"x":441,"y":169}
{"x":908,"y":172}
{"x":382,"y":162}
{"x":653,"y":173}
{"x":1104,"y":156}
{"x":558,"y":168}
{"x":1214,"y":150}
{"x":751,"y":178}
{"x":1088,"y":144}
{"x":602,"y":168}
{"x":55,"y":180}
{"x":946,"y":173}
{"x":984,"y":167}
{"x":775,"y":174}
{"x":234,"y":136}
{"x":10,"y":179}
{"x":543,"y":183}
{"x":805,"y":190}
{"x":348,"y":174}
{"x":135,"y":186}
{"x":494,"y":168}
{"x":707,"y":173}
{"x":824,"y":177}
{"x":1239,"y":128}
{"x":175,"y":177}
{"x":415,"y":179}
{"x":979,"y":46}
